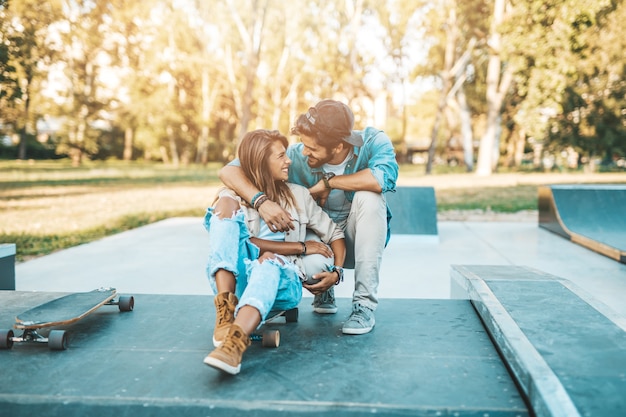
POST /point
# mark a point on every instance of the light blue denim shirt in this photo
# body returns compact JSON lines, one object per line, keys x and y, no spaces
{"x":377,"y":154}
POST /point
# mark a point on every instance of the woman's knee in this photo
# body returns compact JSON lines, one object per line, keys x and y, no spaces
{"x":268,"y":255}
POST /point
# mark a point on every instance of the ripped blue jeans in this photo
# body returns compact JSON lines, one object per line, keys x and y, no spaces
{"x":267,"y":286}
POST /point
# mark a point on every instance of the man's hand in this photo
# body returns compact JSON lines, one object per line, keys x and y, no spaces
{"x":328,"y":279}
{"x":320,"y":193}
{"x":276,"y":218}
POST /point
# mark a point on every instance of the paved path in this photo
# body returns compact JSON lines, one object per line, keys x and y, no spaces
{"x":169,"y":257}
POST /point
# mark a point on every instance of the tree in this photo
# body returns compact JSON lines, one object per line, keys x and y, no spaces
{"x":31,"y":53}
{"x":540,"y":43}
{"x":10,"y":91}
{"x":592,"y":120}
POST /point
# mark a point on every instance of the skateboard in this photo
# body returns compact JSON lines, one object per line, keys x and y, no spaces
{"x":271,"y":338}
{"x":61,"y":312}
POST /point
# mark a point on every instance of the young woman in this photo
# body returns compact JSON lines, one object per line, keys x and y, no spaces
{"x":253,"y":270}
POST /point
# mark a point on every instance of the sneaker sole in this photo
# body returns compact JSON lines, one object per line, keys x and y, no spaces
{"x":325,"y":310}
{"x":357,"y":331}
{"x":222,"y":366}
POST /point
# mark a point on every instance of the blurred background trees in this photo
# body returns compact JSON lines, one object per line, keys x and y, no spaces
{"x":484,"y":84}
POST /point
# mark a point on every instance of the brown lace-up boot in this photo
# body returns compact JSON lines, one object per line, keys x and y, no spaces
{"x":225,"y":303}
{"x":227,"y":357}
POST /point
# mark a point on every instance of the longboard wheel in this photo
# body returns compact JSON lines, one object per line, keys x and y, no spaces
{"x":271,"y":338}
{"x":57,"y":340}
{"x":126,"y":303}
{"x":6,"y":339}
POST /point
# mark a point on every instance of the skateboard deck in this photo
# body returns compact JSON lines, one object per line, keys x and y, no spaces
{"x":62,"y":311}
{"x":271,"y":338}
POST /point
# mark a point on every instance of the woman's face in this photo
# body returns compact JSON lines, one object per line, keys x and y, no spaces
{"x":278,"y":162}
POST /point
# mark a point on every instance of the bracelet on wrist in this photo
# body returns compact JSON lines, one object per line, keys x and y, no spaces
{"x":260,"y":201}
{"x":255,"y":198}
{"x":303,"y":248}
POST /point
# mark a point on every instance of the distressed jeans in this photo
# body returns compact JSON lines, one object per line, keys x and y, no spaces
{"x":270,"y":285}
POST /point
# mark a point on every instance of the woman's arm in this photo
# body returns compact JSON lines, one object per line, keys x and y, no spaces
{"x":293,"y":248}
{"x":274,"y":215}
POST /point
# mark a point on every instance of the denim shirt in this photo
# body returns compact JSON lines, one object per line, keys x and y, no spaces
{"x":377,"y":154}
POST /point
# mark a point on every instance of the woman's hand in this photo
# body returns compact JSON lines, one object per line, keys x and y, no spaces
{"x":276,"y":218}
{"x":314,"y":246}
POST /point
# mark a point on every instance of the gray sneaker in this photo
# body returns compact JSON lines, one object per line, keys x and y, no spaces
{"x":324,"y":303}
{"x":361,"y":320}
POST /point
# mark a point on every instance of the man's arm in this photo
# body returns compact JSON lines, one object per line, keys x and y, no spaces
{"x":362,"y":180}
{"x":272,"y":213}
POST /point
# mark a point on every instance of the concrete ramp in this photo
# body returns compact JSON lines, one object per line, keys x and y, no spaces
{"x":593,"y":216}
{"x":567,"y":355}
{"x":414,"y":211}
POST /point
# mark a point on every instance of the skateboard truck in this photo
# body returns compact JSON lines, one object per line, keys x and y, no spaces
{"x":56,"y":340}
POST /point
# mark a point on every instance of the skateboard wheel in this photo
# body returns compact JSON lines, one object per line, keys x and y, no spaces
{"x":6,"y":339}
{"x":126,"y":303}
{"x":271,"y":338}
{"x":57,"y":340}
{"x":291,"y":316}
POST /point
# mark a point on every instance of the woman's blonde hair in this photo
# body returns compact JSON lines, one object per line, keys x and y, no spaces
{"x":254,"y":151}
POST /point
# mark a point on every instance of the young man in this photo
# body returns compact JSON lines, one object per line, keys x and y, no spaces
{"x":347,"y":172}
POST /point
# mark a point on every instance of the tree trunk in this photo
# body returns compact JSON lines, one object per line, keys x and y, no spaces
{"x":173,"y":148}
{"x":497,"y":86}
{"x":447,"y":74}
{"x":24,"y":133}
{"x":467,"y":134}
{"x":203,"y":140}
{"x":128,"y":144}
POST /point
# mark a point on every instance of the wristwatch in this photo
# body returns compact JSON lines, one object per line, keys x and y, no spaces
{"x":339,"y":271}
{"x":326,"y":177}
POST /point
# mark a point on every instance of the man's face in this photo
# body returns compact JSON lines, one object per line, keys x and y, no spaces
{"x":317,"y":155}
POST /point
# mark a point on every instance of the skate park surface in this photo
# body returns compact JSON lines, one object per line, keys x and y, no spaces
{"x":428,"y":355}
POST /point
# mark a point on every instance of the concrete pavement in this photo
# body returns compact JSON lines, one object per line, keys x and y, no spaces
{"x":169,"y":257}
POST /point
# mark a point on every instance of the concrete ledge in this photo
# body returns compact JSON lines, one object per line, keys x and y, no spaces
{"x":7,"y":266}
{"x":568,"y":358}
{"x":413,"y":211}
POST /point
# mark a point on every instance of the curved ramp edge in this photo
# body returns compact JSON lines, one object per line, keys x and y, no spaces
{"x":589,"y":215}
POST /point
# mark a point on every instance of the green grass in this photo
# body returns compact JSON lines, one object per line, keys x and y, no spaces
{"x":47,"y":206}
{"x":498,"y":199}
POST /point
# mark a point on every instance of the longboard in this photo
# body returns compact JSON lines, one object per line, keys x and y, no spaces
{"x":62,"y":311}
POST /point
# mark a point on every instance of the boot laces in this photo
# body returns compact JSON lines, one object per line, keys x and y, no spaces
{"x":235,"y":342}
{"x":224,"y":314}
